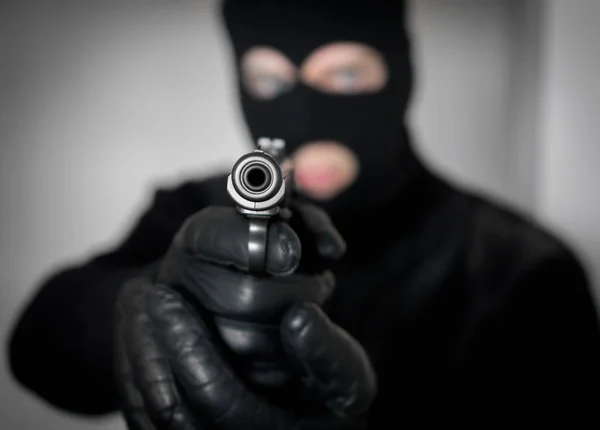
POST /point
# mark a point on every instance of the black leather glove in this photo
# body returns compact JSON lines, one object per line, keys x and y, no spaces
{"x":205,"y":345}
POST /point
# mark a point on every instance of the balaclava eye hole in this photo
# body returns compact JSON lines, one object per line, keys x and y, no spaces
{"x":266,"y":73}
{"x":339,"y":68}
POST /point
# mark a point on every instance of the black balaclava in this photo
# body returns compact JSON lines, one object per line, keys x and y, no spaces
{"x":372,"y":125}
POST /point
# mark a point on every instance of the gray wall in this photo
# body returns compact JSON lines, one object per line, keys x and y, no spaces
{"x":568,"y":195}
{"x":104,"y":101}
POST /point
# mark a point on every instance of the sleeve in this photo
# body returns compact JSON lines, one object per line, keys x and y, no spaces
{"x":539,"y":337}
{"x":61,"y":347}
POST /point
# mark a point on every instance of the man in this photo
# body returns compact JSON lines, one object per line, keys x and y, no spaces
{"x":439,"y":297}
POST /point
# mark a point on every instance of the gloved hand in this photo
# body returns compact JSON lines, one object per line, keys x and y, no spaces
{"x":201,"y":346}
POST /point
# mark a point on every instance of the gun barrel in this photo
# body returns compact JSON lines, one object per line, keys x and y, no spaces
{"x":260,"y":186}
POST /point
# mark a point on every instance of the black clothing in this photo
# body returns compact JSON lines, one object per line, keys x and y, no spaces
{"x":453,"y":297}
{"x":443,"y":289}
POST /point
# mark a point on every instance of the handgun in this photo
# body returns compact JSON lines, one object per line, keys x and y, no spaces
{"x":261,"y":186}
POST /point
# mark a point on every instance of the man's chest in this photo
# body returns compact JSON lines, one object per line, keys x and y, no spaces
{"x":406,"y":308}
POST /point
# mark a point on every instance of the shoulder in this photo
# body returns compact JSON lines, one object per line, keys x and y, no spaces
{"x":154,"y":229}
{"x":171,"y":205}
{"x":522,"y":276}
{"x":193,"y":194}
{"x":507,"y":228}
{"x":507,"y":245}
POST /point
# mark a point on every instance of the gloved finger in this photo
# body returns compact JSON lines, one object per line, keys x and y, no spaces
{"x":234,"y":294}
{"x":336,"y":367}
{"x":220,"y":235}
{"x":210,"y":385}
{"x":150,"y":367}
{"x":133,"y":405}
{"x":132,"y":402}
{"x":329,"y":242}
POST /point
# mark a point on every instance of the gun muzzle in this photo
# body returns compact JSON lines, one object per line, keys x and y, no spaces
{"x":257,"y":184}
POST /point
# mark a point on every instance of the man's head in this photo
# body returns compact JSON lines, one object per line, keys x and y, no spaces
{"x":333,"y":80}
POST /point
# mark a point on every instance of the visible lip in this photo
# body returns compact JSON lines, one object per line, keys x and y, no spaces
{"x":322,"y":169}
{"x":316,"y":178}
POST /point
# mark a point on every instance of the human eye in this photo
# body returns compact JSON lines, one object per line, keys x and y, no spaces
{"x":347,"y":78}
{"x":267,"y":86}
{"x":346,"y":81}
{"x":345,"y":68}
{"x":267,"y":73}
